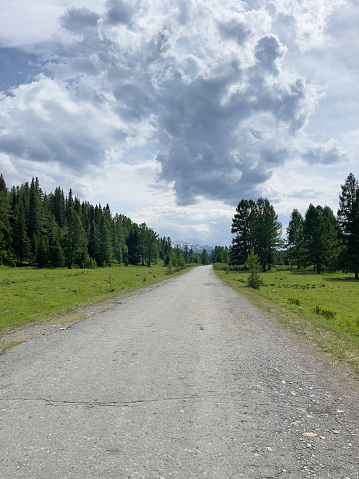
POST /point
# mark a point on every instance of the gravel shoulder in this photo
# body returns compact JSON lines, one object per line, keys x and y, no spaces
{"x":185,"y":380}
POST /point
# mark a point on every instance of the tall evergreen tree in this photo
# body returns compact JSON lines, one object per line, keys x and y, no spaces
{"x":105,"y":247}
{"x":255,"y":225}
{"x":21,"y":241}
{"x":266,"y":232}
{"x":41,"y":256}
{"x":133,"y":245}
{"x":5,"y":226}
{"x":204,"y":257}
{"x":75,"y":239}
{"x":295,"y":238}
{"x":58,"y":206}
{"x":348,"y":219}
{"x":320,"y":237}
{"x":119,"y":242}
{"x":56,"y":255}
{"x":150,"y":246}
{"x":312,"y":240}
{"x":242,"y":228}
{"x":34,"y":216}
{"x":330,"y":231}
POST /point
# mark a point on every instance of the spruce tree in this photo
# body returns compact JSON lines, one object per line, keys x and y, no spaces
{"x":348,"y":219}
{"x":242,"y":228}
{"x":21,"y":241}
{"x":320,"y":238}
{"x":204,"y":257}
{"x":5,"y":226}
{"x":41,"y":256}
{"x":295,"y":238}
{"x":255,"y":225}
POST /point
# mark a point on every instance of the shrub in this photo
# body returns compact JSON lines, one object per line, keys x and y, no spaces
{"x":294,"y":301}
{"x":90,"y":263}
{"x":221,"y":266}
{"x":326,"y":312}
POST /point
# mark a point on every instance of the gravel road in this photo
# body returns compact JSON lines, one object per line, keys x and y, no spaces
{"x":186,"y":380}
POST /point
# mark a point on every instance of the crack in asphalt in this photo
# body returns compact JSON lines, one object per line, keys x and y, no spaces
{"x":53,"y":402}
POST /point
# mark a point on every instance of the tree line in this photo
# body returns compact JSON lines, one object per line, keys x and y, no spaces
{"x":59,"y":230}
{"x":320,"y":239}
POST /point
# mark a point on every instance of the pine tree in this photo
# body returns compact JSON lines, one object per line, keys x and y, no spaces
{"x":255,"y":225}
{"x":133,"y":244}
{"x":119,"y":242}
{"x":56,"y":254}
{"x":34,"y":216}
{"x":75,"y":239}
{"x":320,"y":237}
{"x":21,"y":240}
{"x":295,"y":238}
{"x":58,"y":206}
{"x":204,"y":257}
{"x":5,"y":226}
{"x":266,"y":231}
{"x":242,"y":228}
{"x":41,"y":252}
{"x":348,"y":219}
{"x":105,"y":250}
{"x":312,"y":240}
{"x":150,"y":246}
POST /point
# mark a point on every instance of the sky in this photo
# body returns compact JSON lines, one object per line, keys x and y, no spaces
{"x":172,"y":112}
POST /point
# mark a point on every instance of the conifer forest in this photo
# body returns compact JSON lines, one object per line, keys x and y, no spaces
{"x":58,"y":230}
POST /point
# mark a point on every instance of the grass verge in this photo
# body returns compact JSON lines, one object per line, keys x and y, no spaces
{"x":322,"y":309}
{"x":29,"y":295}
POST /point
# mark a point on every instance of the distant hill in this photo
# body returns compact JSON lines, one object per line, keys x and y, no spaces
{"x":196,"y":248}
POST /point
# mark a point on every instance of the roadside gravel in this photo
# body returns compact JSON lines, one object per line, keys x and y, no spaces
{"x":186,"y":380}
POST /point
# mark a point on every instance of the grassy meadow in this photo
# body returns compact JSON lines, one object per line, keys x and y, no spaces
{"x":323,"y":309}
{"x":29,"y":295}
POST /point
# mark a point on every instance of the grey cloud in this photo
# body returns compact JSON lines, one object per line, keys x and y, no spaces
{"x":83,"y":65}
{"x":327,"y":154}
{"x":25,"y":145}
{"x":119,"y":12}
{"x":211,"y":150}
{"x":256,"y":133}
{"x":235,"y":30}
{"x":79,"y":20}
{"x":134,"y":104}
{"x":290,"y":109}
{"x":268,"y":50}
{"x":56,"y":134}
{"x":71,"y":147}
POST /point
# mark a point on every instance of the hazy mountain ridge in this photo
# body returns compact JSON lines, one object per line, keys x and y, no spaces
{"x":196,"y":248}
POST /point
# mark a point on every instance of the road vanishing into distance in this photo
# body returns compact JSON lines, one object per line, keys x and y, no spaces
{"x":185,"y":380}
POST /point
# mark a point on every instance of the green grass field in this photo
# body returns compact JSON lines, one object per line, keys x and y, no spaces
{"x":29,"y":295}
{"x":322,"y":309}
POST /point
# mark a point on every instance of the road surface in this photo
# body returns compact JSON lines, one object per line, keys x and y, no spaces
{"x":185,"y":380}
